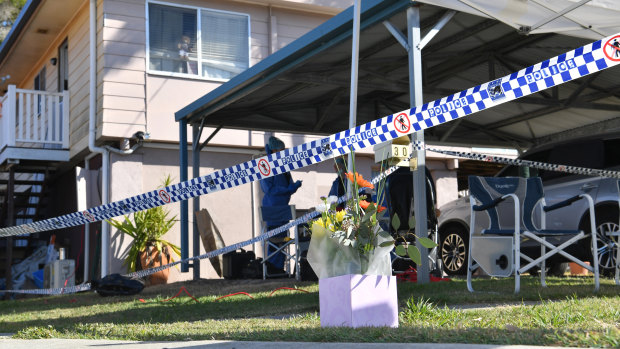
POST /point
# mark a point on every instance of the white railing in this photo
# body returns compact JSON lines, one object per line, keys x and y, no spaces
{"x":31,"y":117}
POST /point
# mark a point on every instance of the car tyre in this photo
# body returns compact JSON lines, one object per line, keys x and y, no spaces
{"x":453,"y":249}
{"x":606,"y":221}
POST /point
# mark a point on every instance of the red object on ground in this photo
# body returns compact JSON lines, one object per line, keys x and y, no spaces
{"x":178,"y":293}
{"x":411,"y":275}
{"x":234,"y":294}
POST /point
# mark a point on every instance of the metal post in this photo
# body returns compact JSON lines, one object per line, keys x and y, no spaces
{"x":105,"y":226}
{"x":354,"y":64}
{"x":419,"y":175}
{"x":184,"y":205}
{"x":196,"y":200}
{"x":12,"y":111}
{"x":66,"y":106}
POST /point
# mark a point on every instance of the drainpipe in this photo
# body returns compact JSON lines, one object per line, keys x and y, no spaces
{"x":92,"y":135}
{"x":105,"y":150}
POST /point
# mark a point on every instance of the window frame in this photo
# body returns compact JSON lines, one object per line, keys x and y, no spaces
{"x":198,"y":40}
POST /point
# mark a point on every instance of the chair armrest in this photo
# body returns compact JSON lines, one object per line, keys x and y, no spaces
{"x":561,"y":204}
{"x":489,"y":205}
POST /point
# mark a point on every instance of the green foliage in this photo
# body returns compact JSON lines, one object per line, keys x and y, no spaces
{"x":38,"y":332}
{"x":409,"y":249}
{"x":423,"y":306}
{"x":147,"y":229}
{"x":18,"y":3}
{"x":395,"y":222}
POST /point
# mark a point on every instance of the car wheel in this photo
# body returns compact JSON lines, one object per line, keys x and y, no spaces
{"x":606,"y":221}
{"x":453,"y":249}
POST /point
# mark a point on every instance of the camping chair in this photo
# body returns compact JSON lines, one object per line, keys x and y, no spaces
{"x":497,"y":249}
{"x":289,"y":246}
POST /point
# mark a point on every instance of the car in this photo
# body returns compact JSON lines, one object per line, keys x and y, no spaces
{"x":600,"y":152}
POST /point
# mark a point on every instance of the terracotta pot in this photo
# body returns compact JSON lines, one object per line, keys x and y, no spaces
{"x":152,"y":258}
{"x":576,"y":269}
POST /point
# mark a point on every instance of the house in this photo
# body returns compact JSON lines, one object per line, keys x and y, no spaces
{"x":95,"y":84}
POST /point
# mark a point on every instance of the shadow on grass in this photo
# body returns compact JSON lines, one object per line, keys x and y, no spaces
{"x":157,"y":312}
{"x":92,"y":316}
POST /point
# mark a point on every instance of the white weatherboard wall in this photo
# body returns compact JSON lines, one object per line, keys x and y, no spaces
{"x":133,"y":100}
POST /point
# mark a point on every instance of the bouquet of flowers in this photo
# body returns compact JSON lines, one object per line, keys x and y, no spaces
{"x":351,"y":240}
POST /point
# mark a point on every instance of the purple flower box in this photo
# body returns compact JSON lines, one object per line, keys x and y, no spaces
{"x":356,"y":300}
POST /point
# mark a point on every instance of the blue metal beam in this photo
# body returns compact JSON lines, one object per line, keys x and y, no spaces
{"x":184,"y":203}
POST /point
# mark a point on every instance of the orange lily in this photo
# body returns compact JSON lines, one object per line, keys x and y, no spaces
{"x":360,"y":180}
{"x":364,"y":204}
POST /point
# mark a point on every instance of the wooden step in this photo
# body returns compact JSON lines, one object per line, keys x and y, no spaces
{"x":23,"y":194}
{"x":22,"y":206}
{"x":22,"y":182}
{"x":25,"y":216}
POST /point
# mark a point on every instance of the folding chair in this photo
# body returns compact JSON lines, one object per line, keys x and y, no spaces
{"x":497,"y":249}
{"x":289,"y":246}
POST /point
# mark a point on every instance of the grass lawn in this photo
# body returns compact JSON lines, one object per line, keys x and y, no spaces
{"x":567,"y":313}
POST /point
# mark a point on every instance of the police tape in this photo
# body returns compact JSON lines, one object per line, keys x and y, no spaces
{"x":520,"y":162}
{"x":146,"y":272}
{"x":571,"y":65}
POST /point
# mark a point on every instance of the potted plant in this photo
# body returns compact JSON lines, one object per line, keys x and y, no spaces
{"x":350,"y":253}
{"x":148,"y":249}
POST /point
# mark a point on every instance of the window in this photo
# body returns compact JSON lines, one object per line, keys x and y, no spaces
{"x":63,"y":66}
{"x":197,"y":42}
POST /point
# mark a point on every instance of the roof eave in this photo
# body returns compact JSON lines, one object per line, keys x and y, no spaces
{"x":18,"y":26}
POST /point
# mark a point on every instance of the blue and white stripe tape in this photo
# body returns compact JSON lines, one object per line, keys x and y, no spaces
{"x":519,"y":162}
{"x":569,"y":66}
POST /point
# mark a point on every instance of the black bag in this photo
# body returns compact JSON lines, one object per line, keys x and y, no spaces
{"x":117,"y":285}
{"x":306,"y":273}
{"x":235,"y":261}
{"x":253,"y":270}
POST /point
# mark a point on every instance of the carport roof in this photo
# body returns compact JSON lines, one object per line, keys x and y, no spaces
{"x":304,"y":87}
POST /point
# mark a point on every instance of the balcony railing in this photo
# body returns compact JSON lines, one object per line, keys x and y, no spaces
{"x":34,"y":119}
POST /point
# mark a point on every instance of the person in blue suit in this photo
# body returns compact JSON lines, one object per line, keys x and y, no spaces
{"x":278,"y":190}
{"x":339,"y":184}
